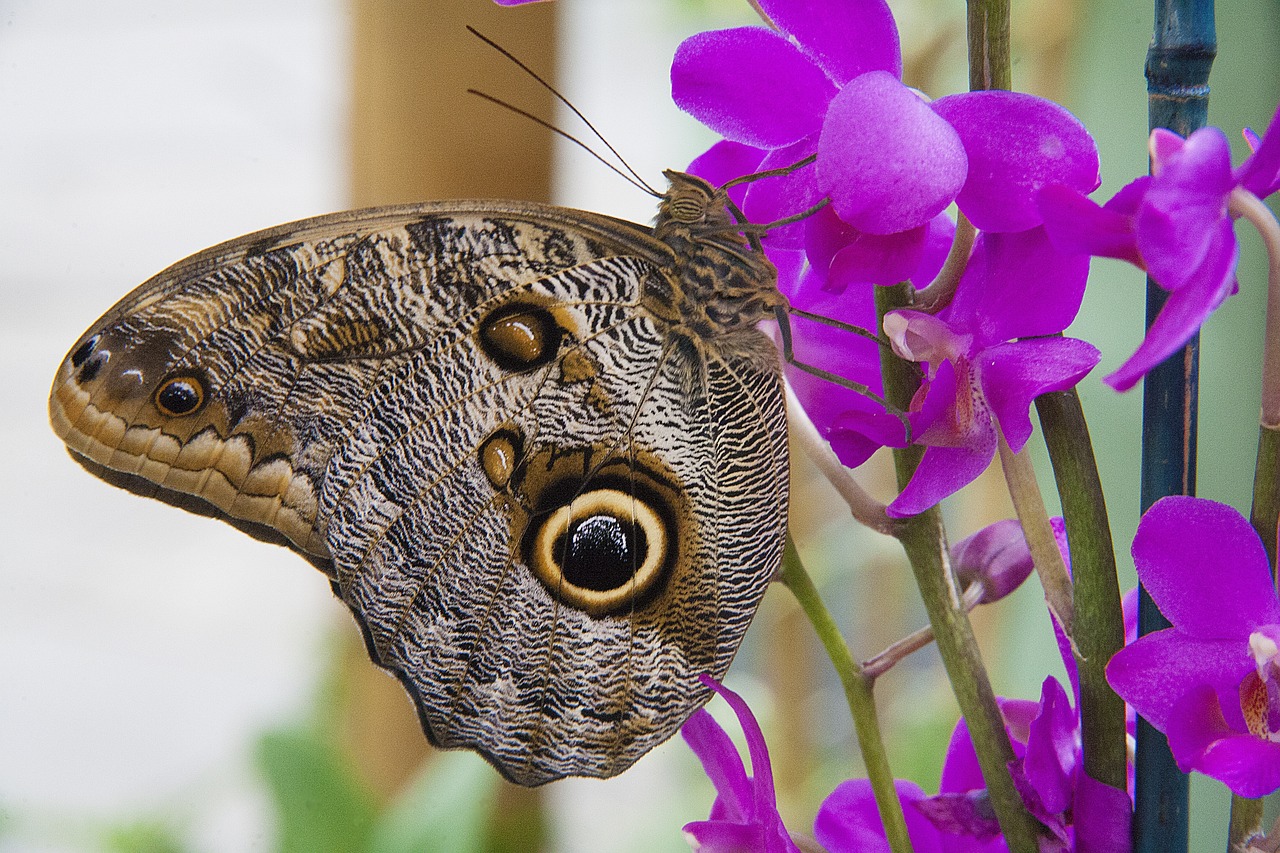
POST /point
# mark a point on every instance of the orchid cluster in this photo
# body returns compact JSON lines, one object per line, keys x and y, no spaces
{"x":957,"y":233}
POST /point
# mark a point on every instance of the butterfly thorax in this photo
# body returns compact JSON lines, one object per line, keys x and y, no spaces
{"x":719,"y":282}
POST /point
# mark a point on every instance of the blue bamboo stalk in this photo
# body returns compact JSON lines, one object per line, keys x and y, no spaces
{"x":1178,"y":62}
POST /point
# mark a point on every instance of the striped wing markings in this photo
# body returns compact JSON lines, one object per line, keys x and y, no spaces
{"x":626,"y":435}
{"x":465,"y":323}
{"x":236,"y":310}
{"x":466,"y":453}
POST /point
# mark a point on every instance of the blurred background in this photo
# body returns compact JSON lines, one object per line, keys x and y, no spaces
{"x":168,"y":684}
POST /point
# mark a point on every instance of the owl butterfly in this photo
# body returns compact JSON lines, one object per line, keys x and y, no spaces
{"x":541,"y":454}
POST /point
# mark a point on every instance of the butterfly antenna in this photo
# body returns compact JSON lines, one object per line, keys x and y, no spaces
{"x":578,"y":142}
{"x":635,"y":178}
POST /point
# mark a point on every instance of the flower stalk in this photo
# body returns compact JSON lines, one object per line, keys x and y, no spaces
{"x":1020,"y":476}
{"x":858,"y":692}
{"x":923,"y":539}
{"x":1099,"y":626}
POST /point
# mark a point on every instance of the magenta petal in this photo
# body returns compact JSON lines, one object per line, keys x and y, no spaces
{"x":766,"y":809}
{"x":996,"y":556}
{"x":849,"y":820}
{"x":1018,"y":285}
{"x":1152,"y":673}
{"x":1016,"y":144}
{"x":960,"y":769}
{"x":771,"y":199}
{"x":846,"y":39}
{"x":716,"y":836}
{"x":888,"y":162}
{"x":1014,"y":374}
{"x":1183,"y":207}
{"x":1201,"y":740}
{"x":1101,"y":817}
{"x":1260,"y":174}
{"x":722,"y":764}
{"x":1076,"y":224}
{"x":1184,"y":311}
{"x":943,"y":471}
{"x":1051,"y":756}
{"x":1249,"y":766}
{"x":880,"y":258}
{"x":725,"y":161}
{"x":1205,"y":568}
{"x":750,"y":85}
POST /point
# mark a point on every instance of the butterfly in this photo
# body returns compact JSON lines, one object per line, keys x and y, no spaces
{"x":540,"y":453}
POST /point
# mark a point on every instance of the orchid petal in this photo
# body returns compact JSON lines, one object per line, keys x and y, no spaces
{"x":725,"y":161}
{"x":943,"y":471}
{"x":888,"y":162}
{"x":1014,"y":374}
{"x":1016,"y":143}
{"x":1018,"y":285}
{"x":750,"y":85}
{"x":1051,"y":748}
{"x":1184,"y":311}
{"x":1201,"y":740}
{"x":1102,"y":816}
{"x":846,"y":39}
{"x":1161,"y":667}
{"x":722,"y":764}
{"x":1184,"y":207}
{"x":1260,"y":174}
{"x":1205,"y":568}
{"x":718,"y":836}
{"x":849,"y":820}
{"x":1076,"y":224}
{"x":780,"y":196}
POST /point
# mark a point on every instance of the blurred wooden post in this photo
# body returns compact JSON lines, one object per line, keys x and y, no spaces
{"x":416,"y":135}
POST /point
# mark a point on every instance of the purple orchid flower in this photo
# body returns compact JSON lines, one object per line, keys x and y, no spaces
{"x":744,"y":815}
{"x":987,"y":358}
{"x":829,"y":83}
{"x":1047,"y":769}
{"x":1211,"y":683}
{"x":1176,"y":225}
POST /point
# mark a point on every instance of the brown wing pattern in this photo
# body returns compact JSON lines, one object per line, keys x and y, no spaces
{"x":549,"y":506}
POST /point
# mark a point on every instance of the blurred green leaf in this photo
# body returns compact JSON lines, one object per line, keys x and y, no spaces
{"x":447,"y":808}
{"x":143,"y":837}
{"x":321,"y":804}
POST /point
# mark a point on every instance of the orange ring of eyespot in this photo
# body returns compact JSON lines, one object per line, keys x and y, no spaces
{"x":194,"y":385}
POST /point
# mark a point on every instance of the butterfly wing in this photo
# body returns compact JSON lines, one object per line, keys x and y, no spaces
{"x":549,"y":507}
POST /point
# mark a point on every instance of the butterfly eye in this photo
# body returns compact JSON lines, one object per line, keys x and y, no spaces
{"x":180,"y":395}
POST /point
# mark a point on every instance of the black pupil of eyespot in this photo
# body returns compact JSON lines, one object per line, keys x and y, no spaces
{"x":179,"y":396}
{"x":602,"y":553}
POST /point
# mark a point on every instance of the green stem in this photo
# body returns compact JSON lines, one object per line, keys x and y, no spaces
{"x":990,"y":66}
{"x":1020,"y":476}
{"x":1247,"y":814}
{"x":858,"y":692}
{"x":925,"y":542}
{"x":1099,"y":623}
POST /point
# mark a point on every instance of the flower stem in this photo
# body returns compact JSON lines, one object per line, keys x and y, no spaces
{"x":925,"y":542}
{"x":1099,"y":624}
{"x":864,"y":508}
{"x":858,"y":693}
{"x":1020,"y":476}
{"x":990,"y":66}
{"x":1247,"y":814}
{"x":1248,"y":206}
